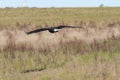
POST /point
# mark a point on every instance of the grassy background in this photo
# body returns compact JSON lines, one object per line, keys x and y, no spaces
{"x":90,"y":53}
{"x":10,"y":17}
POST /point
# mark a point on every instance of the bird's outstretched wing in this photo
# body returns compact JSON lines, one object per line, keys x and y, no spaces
{"x":60,"y":27}
{"x":37,"y":30}
{"x":51,"y":29}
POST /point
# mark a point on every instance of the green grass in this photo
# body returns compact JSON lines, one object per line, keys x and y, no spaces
{"x":95,"y":65}
{"x":36,"y":16}
{"x":72,"y":61}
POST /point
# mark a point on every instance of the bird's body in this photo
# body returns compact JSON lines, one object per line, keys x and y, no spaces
{"x":51,"y":29}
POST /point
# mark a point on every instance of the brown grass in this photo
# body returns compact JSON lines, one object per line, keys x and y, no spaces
{"x":18,"y":40}
{"x":46,"y":56}
{"x":89,"y":53}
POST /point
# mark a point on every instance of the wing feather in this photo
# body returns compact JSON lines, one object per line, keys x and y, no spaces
{"x":37,"y":30}
{"x":60,"y":27}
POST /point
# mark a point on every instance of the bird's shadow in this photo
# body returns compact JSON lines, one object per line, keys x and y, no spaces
{"x":33,"y":70}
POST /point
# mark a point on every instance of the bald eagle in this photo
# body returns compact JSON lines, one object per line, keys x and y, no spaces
{"x":51,"y":29}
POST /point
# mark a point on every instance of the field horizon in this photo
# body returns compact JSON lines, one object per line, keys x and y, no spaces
{"x":21,"y":17}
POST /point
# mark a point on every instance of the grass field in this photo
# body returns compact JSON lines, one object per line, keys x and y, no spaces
{"x":34,"y":16}
{"x":89,"y":53}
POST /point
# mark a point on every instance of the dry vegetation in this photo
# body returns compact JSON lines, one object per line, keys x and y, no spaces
{"x":18,"y":40}
{"x":20,"y":17}
{"x":89,"y":53}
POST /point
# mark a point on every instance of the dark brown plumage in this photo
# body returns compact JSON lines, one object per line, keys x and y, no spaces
{"x":51,"y":29}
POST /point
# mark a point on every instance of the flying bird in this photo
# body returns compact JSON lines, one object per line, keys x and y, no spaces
{"x":51,"y":29}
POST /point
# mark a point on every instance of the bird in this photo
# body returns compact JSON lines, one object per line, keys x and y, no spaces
{"x":51,"y":29}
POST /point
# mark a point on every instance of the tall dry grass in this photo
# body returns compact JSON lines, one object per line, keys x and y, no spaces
{"x":36,"y":56}
{"x":91,"y":33}
{"x":89,"y":53}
